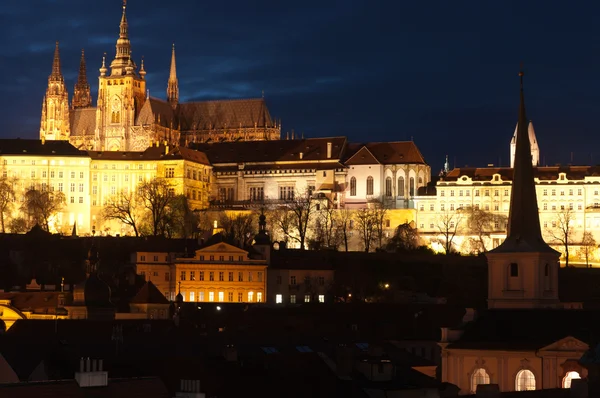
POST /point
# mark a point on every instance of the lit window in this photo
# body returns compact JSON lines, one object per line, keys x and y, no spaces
{"x":201,"y":296}
{"x":569,"y":377}
{"x":321,"y":298}
{"x":221,"y":296}
{"x":250,"y":296}
{"x":479,"y":376}
{"x":278,"y":298}
{"x":525,"y":381}
{"x":259,"y":297}
{"x":211,"y":296}
{"x":192,"y":294}
{"x":307,"y":298}
{"x":293,"y":299}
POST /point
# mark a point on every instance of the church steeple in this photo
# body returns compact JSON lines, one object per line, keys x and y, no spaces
{"x":173,"y":85}
{"x":523,"y":270}
{"x":82,"y":97}
{"x":123,"y":47}
{"x":55,"y":108}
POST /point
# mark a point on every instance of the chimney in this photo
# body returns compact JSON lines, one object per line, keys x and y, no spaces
{"x":190,"y":389}
{"x":487,"y":391}
{"x":329,"y":150}
{"x":91,"y":374}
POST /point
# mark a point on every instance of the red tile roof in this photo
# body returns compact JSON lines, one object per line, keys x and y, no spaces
{"x":149,"y":294}
{"x":402,"y":152}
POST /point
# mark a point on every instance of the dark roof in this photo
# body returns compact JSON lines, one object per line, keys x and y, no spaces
{"x":312,"y":149}
{"x":149,"y":294}
{"x":83,"y":121}
{"x":147,"y":387}
{"x":546,"y":173}
{"x":232,"y":114}
{"x":37,"y":302}
{"x":402,"y":152}
{"x":157,"y":111}
{"x":18,"y":146}
{"x":528,"y":329}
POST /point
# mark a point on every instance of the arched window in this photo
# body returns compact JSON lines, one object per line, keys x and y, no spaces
{"x":400,"y":186}
{"x":353,"y":186}
{"x":388,"y":186}
{"x":479,"y":376}
{"x":525,"y":380}
{"x":420,"y":181}
{"x":369,"y":185}
{"x":411,"y":187}
{"x":569,"y":377}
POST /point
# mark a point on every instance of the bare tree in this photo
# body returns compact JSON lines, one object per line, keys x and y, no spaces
{"x":480,"y":224}
{"x":562,"y":229}
{"x":588,"y":246}
{"x":41,"y":206}
{"x":344,"y":223}
{"x":293,"y":216}
{"x":239,"y":228}
{"x":365,"y":223}
{"x":448,"y":224}
{"x":379,"y":213}
{"x":7,"y":198}
{"x":156,"y":195}
{"x":124,"y":207}
{"x":327,"y":227}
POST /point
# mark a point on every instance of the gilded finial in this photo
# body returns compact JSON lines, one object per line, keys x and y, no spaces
{"x":124,"y":5}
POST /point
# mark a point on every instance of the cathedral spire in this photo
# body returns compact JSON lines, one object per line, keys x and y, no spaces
{"x":173,"y":85}
{"x":56,"y":74}
{"x":123,"y":47}
{"x":82,"y":97}
{"x":55,"y":108}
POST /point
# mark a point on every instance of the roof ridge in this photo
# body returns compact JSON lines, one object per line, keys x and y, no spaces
{"x":224,"y":100}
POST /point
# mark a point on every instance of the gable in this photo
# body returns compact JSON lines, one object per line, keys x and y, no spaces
{"x":221,"y":247}
{"x":362,"y":156}
{"x":568,"y":344}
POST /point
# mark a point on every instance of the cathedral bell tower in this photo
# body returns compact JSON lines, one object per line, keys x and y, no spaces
{"x":523,"y":270}
{"x":55,"y":108}
{"x":120,"y":96}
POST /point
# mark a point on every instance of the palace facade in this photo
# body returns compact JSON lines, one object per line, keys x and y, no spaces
{"x":126,"y":118}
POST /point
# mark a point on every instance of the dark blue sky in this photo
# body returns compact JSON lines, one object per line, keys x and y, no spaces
{"x":442,"y":72}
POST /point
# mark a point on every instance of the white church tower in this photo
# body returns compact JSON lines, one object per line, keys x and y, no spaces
{"x":535,"y":149}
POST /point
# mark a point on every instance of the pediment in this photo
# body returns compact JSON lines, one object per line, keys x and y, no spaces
{"x":567,"y":344}
{"x":361,"y":157}
{"x":221,"y":247}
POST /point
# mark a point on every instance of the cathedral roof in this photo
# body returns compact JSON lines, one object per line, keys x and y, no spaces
{"x":401,"y":152}
{"x":149,"y":294}
{"x":231,"y":114}
{"x":83,"y":121}
{"x":18,"y":146}
{"x":156,"y":111}
{"x":312,"y":149}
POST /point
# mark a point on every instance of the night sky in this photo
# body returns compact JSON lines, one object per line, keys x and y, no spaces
{"x":443,"y":73}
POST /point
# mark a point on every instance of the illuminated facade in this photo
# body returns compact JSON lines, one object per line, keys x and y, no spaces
{"x":127,"y":119}
{"x":217,"y":273}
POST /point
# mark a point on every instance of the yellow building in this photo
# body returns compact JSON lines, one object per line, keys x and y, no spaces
{"x":221,"y":273}
{"x":48,"y":166}
{"x":187,"y":171}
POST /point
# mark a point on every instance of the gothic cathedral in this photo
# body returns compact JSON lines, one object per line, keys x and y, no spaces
{"x":127,"y":119}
